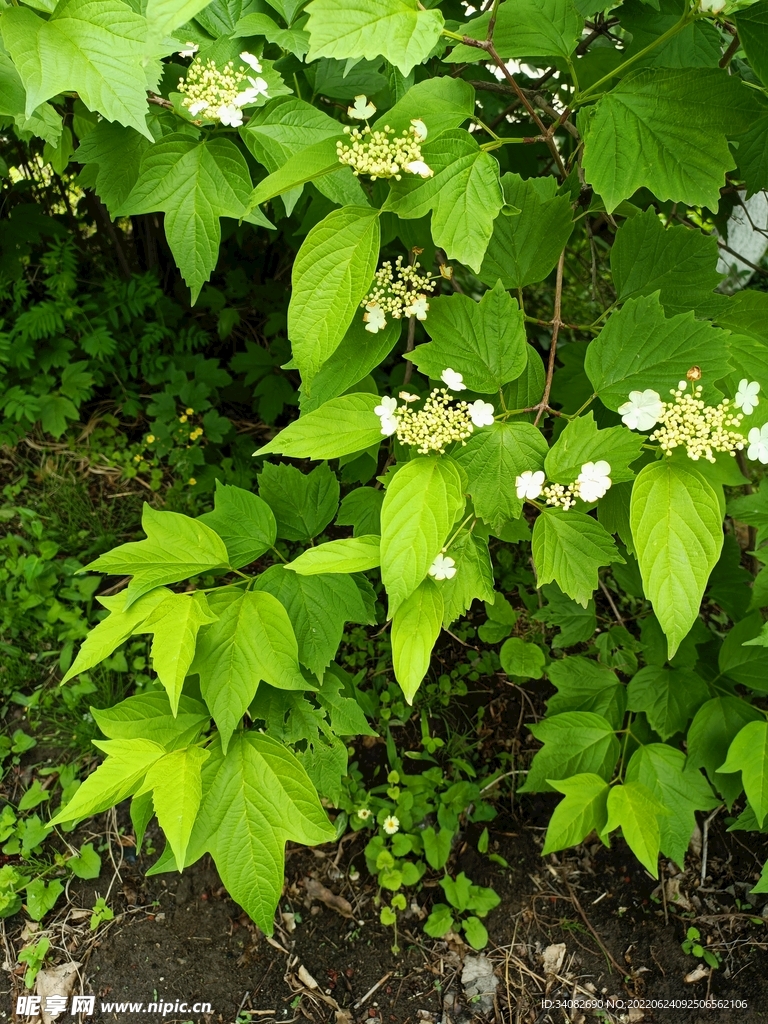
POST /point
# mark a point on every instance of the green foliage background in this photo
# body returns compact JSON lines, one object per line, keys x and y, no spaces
{"x":179,"y":290}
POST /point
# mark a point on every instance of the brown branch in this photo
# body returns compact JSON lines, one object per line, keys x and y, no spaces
{"x":727,"y":57}
{"x":159,"y":101}
{"x":557,"y":323}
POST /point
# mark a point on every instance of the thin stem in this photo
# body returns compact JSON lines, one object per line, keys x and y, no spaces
{"x":622,"y":68}
{"x":279,"y":554}
{"x":556,"y":325}
{"x":461,"y":526}
{"x":728,"y":56}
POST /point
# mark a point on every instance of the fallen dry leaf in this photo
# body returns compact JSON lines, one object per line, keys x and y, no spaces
{"x":317,"y":891}
{"x":552,"y":958}
{"x":697,"y":974}
{"x":306,"y":978}
{"x":56,"y":981}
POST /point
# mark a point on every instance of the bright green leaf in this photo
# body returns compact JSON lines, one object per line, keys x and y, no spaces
{"x":574,"y":743}
{"x":633,"y":808}
{"x":669,"y":697}
{"x":416,"y":626}
{"x":581,"y":442}
{"x":303,"y":503}
{"x":520,"y":658}
{"x":244,"y":522}
{"x":582,"y":811}
{"x":355,"y":554}
{"x":339,"y":427}
{"x":177,"y":789}
{"x":748,"y":754}
{"x":525,"y":28}
{"x":569,"y":548}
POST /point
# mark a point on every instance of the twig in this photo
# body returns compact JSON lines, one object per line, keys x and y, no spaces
{"x":609,"y":599}
{"x":370,"y":991}
{"x":606,"y":952}
{"x":727,"y":57}
{"x":705,"y":841}
{"x":556,"y":325}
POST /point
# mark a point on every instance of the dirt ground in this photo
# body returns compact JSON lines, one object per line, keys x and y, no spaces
{"x":589,"y":925}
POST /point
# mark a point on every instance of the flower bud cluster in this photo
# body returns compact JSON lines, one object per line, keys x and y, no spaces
{"x":592,"y":483}
{"x":217,"y":94}
{"x":688,"y":422}
{"x":437,"y":424}
{"x":560,"y":496}
{"x":380,"y":153}
{"x":399,"y":292}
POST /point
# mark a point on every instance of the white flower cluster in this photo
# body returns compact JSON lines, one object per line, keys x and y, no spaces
{"x":399,"y":291}
{"x":217,"y":93}
{"x":438,"y":423}
{"x":592,"y":483}
{"x":688,"y":422}
{"x":380,"y":153}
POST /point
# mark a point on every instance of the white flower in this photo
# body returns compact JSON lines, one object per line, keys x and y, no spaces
{"x":361,"y":109}
{"x":420,"y":168}
{"x":643,"y":410}
{"x":391,"y":825}
{"x":529,"y":484}
{"x":374,"y":318}
{"x":746,"y":396}
{"x":197,"y":108}
{"x":593,"y":480}
{"x":258,"y":87}
{"x":419,"y":128}
{"x":250,"y":60}
{"x":388,"y":425}
{"x":407,"y":397}
{"x":453,"y":380}
{"x":386,"y":407}
{"x":443,"y":567}
{"x":715,"y":6}
{"x":418,"y":307}
{"x":190,"y":49}
{"x":481,"y":413}
{"x":230,"y":114}
{"x":758,"y":444}
{"x":363,"y":814}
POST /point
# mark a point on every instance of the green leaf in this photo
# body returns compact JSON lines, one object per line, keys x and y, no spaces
{"x":464,"y":195}
{"x":194,"y":184}
{"x":117,"y":777}
{"x":484,"y":341}
{"x":492,"y":459}
{"x":574,"y":743}
{"x":475,"y":932}
{"x":586,"y":685}
{"x":576,"y":624}
{"x":149,"y":716}
{"x":525,"y":28}
{"x":569,"y":548}
{"x":285,"y":127}
{"x":114,"y":152}
{"x":309,"y":164}
{"x":114,"y":630}
{"x":525,"y":246}
{"x":670,"y":697}
{"x":633,"y":808}
{"x":294,"y":39}
{"x":331,"y":274}
{"x":710,"y":734}
{"x":748,"y":754}
{"x":339,"y":427}
{"x":419,"y":510}
{"x":142,"y":812}
{"x":252,"y":640}
{"x":163,"y":16}
{"x":176,"y":548}
{"x":741,"y":659}
{"x":679,"y":263}
{"x":318,"y":607}
{"x":582,"y":442}
{"x":87,"y":864}
{"x":345,"y":714}
{"x":640,"y":348}
{"x":41,"y":897}
{"x":359,"y":353}
{"x":175,"y":624}
{"x":522,"y":659}
{"x":752,"y":24}
{"x":254,"y":800}
{"x":752,"y":156}
{"x":361,"y":509}
{"x":243,"y":521}
{"x":677,"y":527}
{"x":354,"y":554}
{"x":473,"y":579}
{"x":441,"y":103}
{"x":665,"y":130}
{"x":582,"y":811}
{"x":303,"y":503}
{"x":415,"y":627}
{"x":177,"y":789}
{"x":696,"y":45}
{"x":93,"y":49}
{"x":682,"y":791}
{"x":399,"y":30}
